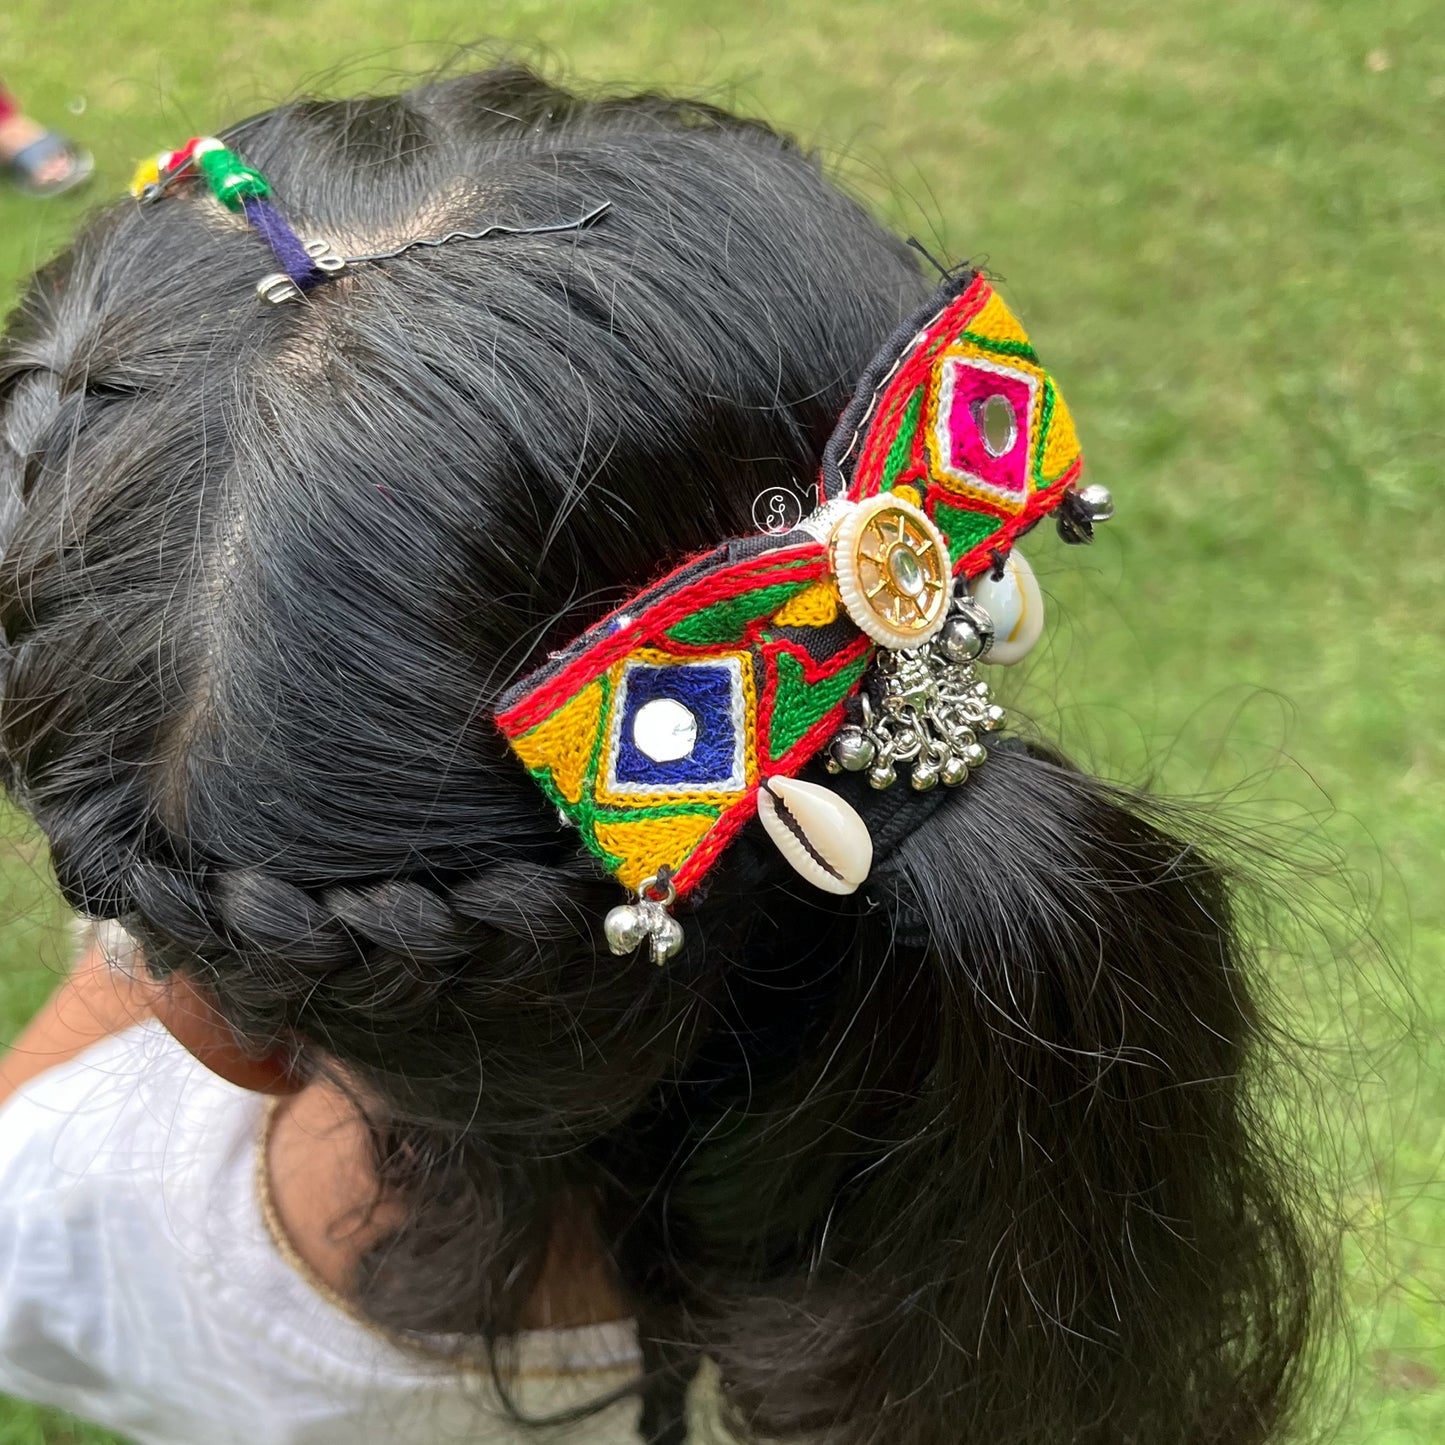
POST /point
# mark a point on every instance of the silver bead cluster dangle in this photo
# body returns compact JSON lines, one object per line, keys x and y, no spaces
{"x":648,"y":920}
{"x":924,"y":708}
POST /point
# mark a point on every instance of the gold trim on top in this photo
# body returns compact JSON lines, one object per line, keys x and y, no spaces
{"x":266,"y":1202}
{"x":405,"y":1344}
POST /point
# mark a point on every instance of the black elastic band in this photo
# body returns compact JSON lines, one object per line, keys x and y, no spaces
{"x":893,"y":814}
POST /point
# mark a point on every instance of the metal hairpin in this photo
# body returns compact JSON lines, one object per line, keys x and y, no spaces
{"x":278,"y":286}
{"x":580,"y":224}
{"x":305,"y":264}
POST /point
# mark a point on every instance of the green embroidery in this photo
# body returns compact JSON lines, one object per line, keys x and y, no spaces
{"x":1046,"y":415}
{"x":902,"y":449}
{"x":964,"y":529}
{"x":658,"y":810}
{"x":586,"y":814}
{"x":1002,"y":348}
{"x":725,"y":622}
{"x":798,"y":704}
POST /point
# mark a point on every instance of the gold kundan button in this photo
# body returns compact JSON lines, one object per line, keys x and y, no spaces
{"x":893,"y":570}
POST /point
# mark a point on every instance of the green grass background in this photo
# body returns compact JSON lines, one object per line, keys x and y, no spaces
{"x":1222,"y":223}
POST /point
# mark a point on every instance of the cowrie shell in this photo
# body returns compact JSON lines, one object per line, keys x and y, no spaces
{"x":1016,"y":607}
{"x":818,"y":832}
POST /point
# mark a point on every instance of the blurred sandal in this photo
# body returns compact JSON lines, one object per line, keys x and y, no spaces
{"x":49,"y":165}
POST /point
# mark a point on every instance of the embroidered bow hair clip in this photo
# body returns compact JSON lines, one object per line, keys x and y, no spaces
{"x":660,"y":731}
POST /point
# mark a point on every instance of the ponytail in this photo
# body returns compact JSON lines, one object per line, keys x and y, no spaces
{"x":1016,"y":1186}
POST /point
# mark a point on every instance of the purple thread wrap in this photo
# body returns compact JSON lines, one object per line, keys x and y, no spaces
{"x":272,"y":227}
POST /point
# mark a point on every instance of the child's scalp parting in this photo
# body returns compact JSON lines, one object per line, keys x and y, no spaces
{"x":977,"y":1164}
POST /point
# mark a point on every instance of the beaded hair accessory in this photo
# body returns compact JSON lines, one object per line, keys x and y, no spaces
{"x":304,"y":264}
{"x":662,"y":729}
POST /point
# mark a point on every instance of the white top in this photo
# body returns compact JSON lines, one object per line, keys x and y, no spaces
{"x":140,"y":1288}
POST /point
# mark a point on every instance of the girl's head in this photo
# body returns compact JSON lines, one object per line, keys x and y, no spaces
{"x":972,"y":1155}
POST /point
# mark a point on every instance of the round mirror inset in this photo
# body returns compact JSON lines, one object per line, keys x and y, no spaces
{"x":997,"y":424}
{"x":664,"y":730}
{"x":904,"y":571}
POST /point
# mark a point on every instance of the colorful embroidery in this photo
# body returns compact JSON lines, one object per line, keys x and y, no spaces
{"x":714,"y":757}
{"x":815,"y":606}
{"x":801,"y":692}
{"x":646,"y":732}
{"x":653,"y":732}
{"x":918,"y":422}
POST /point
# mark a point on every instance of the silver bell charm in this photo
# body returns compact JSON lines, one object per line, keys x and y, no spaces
{"x":851,"y":751}
{"x":667,"y":938}
{"x":923,"y":708}
{"x":628,"y":926}
{"x":968,"y":633}
{"x":1079,"y":510}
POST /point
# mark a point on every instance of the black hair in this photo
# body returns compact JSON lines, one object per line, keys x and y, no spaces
{"x":975,"y":1156}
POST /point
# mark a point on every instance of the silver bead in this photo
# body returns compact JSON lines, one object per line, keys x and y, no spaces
{"x":324,"y":257}
{"x":1080,"y":510}
{"x":1099,"y":500}
{"x":924,"y":776}
{"x":975,"y":755}
{"x":666,"y":938}
{"x":994,"y":717}
{"x":852,"y":750}
{"x":626,"y":927}
{"x":955,"y":770}
{"x":960,"y":640}
{"x":882,"y":775}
